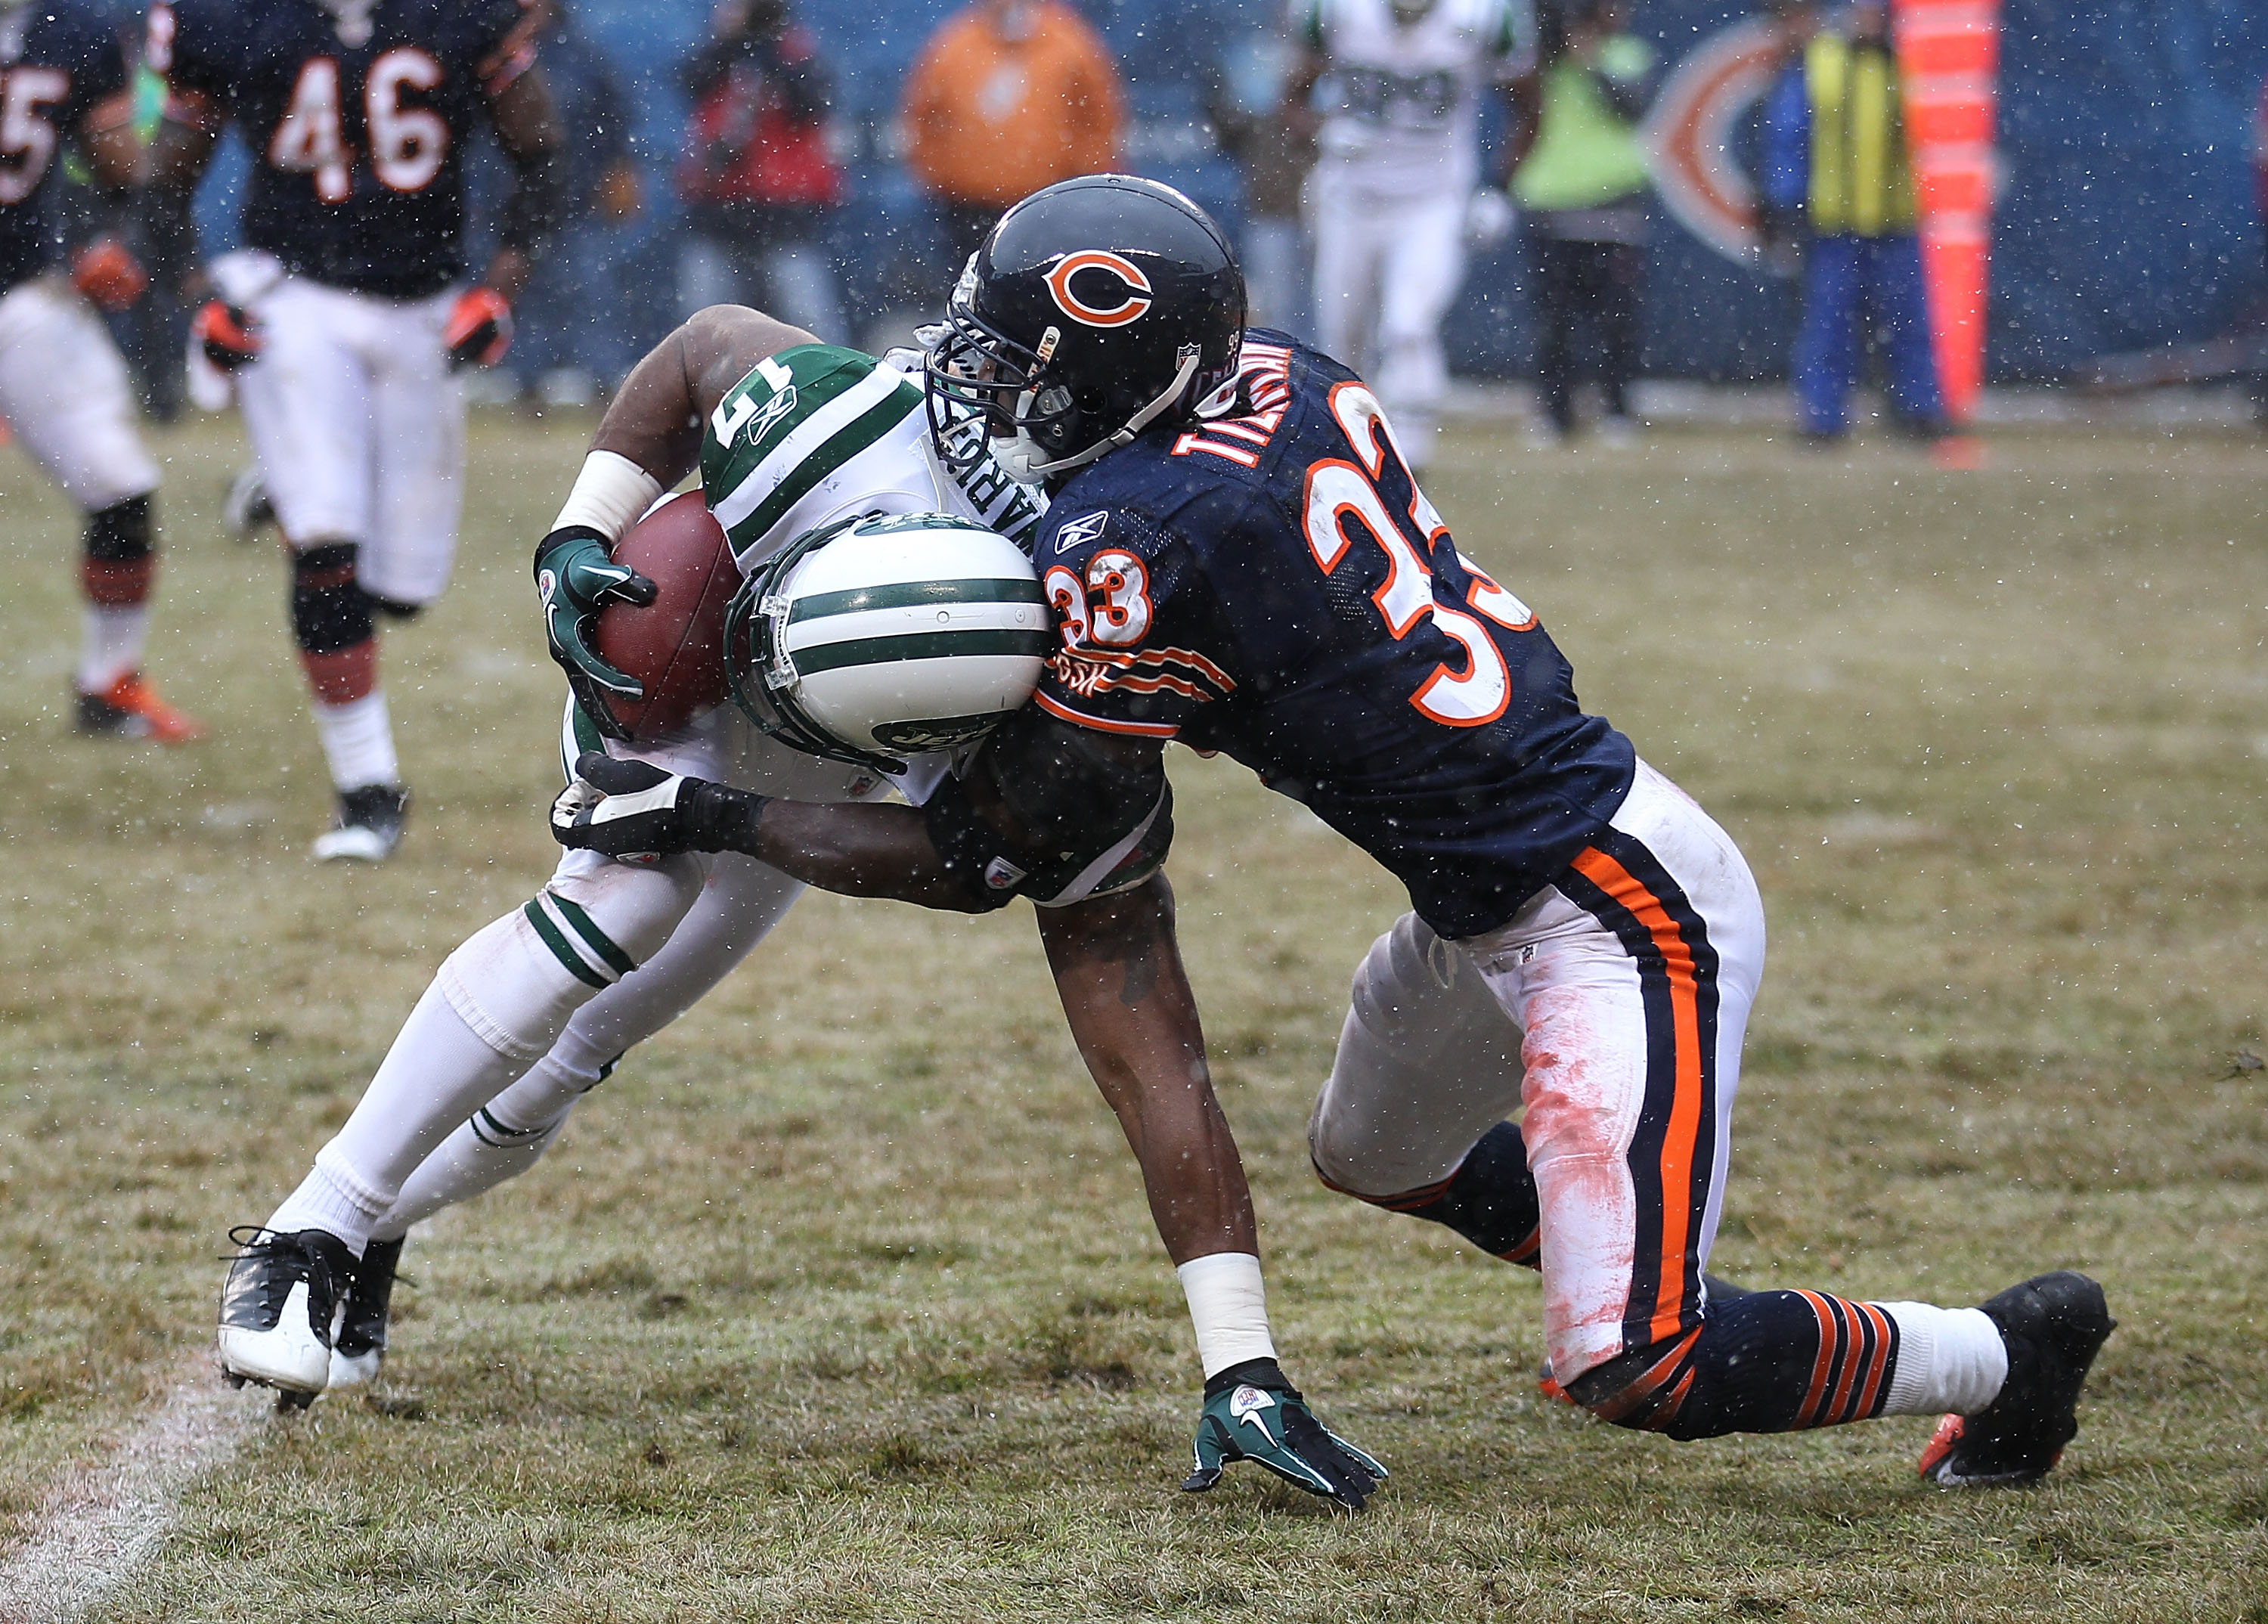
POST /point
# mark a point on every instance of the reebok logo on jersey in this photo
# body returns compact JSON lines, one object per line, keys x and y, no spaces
{"x":1080,"y":531}
{"x":770,"y":413}
{"x":1102,"y":304}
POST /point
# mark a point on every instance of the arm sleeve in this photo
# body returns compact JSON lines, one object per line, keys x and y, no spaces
{"x":1135,"y":615}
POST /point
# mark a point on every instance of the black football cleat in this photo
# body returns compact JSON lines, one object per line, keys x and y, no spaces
{"x":2053,"y":1325}
{"x":358,"y":1347}
{"x":276,"y":1308}
{"x":369,"y":825}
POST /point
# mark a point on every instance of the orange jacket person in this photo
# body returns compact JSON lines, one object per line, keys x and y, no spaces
{"x":1009,"y":96}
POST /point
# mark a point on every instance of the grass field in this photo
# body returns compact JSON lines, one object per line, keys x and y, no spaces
{"x":840,"y":1300}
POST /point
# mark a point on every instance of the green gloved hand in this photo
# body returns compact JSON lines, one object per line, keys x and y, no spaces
{"x":1253,"y":1413}
{"x":576,"y":577}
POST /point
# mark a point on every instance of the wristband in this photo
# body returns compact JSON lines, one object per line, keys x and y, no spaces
{"x":1228,"y":1305}
{"x":609,"y":495}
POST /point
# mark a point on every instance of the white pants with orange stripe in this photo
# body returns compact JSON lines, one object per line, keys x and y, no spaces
{"x":1612,"y":1006}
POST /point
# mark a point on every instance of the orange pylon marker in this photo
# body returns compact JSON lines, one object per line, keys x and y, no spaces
{"x":1949,"y":61}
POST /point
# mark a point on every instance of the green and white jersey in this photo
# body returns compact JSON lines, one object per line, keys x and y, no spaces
{"x":818,"y":433}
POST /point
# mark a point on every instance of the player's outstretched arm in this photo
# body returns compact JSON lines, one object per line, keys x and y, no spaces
{"x":527,"y":129}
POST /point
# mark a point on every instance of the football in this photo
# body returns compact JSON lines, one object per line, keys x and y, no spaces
{"x":676,"y":644}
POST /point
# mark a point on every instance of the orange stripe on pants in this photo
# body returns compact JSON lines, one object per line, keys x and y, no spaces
{"x":1682,"y":1137}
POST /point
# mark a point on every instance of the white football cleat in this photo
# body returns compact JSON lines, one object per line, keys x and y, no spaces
{"x":369,"y":826}
{"x":276,"y":1306}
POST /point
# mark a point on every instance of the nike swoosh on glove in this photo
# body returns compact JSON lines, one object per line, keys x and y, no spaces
{"x":575,"y":576}
{"x":1253,"y":1413}
{"x":227,"y":334}
{"x":636,"y":812}
{"x":479,"y":331}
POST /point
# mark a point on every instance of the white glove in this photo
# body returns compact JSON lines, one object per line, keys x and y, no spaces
{"x":1488,"y":217}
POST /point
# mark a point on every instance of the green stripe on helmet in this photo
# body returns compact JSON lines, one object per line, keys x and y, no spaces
{"x":918,"y":646}
{"x":917,"y":595}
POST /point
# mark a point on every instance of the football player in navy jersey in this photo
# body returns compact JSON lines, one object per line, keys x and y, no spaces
{"x":62,"y":384}
{"x":344,"y":318}
{"x":1239,"y":558}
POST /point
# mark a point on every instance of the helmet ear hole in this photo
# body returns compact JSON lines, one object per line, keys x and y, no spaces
{"x":886,"y":635}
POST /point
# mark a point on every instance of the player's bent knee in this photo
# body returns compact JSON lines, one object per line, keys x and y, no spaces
{"x":119,"y":558}
{"x":330,"y":612}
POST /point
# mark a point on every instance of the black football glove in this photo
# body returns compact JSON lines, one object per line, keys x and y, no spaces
{"x":1253,"y":1413}
{"x":576,"y":577}
{"x":636,"y":811}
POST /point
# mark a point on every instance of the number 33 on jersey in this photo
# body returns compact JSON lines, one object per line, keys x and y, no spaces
{"x":1275,"y":586}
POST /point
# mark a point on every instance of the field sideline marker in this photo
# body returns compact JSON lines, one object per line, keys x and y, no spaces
{"x":100,"y":1524}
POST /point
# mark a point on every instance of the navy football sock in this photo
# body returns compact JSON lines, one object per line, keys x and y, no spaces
{"x":1765,"y":1362}
{"x":1491,"y":1200}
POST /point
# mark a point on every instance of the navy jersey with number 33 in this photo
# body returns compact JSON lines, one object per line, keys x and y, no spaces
{"x":357,"y":122}
{"x":1276,"y":588}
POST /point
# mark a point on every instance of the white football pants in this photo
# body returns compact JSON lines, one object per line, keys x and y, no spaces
{"x":533,"y":1009}
{"x":1612,"y":1008}
{"x":63,"y":389}
{"x":1386,"y":268}
{"x":359,"y":427}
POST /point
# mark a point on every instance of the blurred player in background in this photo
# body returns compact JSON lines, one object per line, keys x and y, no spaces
{"x":342,"y":322}
{"x":64,"y":386}
{"x":1240,"y":560}
{"x":1399,"y":84}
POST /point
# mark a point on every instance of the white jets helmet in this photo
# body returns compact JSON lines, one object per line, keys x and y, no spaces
{"x":878,"y":637}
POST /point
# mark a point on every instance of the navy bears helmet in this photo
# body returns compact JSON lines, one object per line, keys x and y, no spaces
{"x":1096,"y":308}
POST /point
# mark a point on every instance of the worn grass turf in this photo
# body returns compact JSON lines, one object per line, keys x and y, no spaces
{"x":840,"y":1302}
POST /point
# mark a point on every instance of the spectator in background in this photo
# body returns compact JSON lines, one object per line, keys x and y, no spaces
{"x":1009,"y":96}
{"x":1583,"y":187}
{"x":567,"y":343}
{"x":1838,"y":177}
{"x":758,"y":178}
{"x":1273,"y":146}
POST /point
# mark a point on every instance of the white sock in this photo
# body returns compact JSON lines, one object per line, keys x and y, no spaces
{"x":1228,"y":1305}
{"x":359,"y":740}
{"x":110,"y":644}
{"x":480,"y":1154}
{"x":1950,"y":1360}
{"x":332,"y":1199}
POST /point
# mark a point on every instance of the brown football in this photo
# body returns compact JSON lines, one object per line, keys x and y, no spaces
{"x":676,"y":644}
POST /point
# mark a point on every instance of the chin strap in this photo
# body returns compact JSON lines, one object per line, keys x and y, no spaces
{"x":1015,"y":456}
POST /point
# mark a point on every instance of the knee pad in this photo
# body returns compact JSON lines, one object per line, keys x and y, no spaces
{"x":118,"y":563}
{"x":330,"y":612}
{"x":119,"y":534}
{"x":1764,"y":1362}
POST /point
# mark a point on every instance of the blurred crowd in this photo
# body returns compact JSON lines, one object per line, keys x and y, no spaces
{"x":1006,"y":96}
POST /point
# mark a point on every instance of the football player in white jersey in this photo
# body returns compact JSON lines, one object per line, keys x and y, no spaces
{"x":1398,"y":84}
{"x":535,"y":1009}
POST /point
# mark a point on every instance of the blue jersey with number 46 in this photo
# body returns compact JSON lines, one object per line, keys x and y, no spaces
{"x":1275,"y":587}
{"x":356,"y":120}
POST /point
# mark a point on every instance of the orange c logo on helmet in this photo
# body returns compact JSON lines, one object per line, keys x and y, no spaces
{"x":1133,"y":298}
